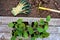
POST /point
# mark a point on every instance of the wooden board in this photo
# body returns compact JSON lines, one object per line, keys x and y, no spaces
{"x":5,"y":31}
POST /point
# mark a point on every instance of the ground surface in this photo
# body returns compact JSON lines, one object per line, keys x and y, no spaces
{"x":6,"y":5}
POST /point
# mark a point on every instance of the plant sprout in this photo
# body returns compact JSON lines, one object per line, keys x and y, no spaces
{"x":30,"y":29}
{"x":48,"y":18}
{"x":10,"y":24}
{"x":13,"y":38}
{"x":39,"y":29}
{"x":41,"y":21}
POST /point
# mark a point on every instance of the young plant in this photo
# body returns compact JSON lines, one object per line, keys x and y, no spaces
{"x":43,"y":26}
{"x":20,"y":29}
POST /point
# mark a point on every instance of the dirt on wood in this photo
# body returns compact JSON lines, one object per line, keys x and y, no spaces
{"x":7,"y":5}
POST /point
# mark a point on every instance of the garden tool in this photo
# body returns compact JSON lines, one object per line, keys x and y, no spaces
{"x":48,"y":9}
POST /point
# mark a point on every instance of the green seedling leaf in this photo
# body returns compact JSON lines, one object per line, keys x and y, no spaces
{"x":46,"y":27}
{"x":39,"y":29}
{"x":30,"y":29}
{"x":13,"y":38}
{"x":15,"y":33}
{"x":36,"y":36}
{"x":10,"y":24}
{"x":35,"y":23}
{"x":44,"y":35}
{"x":22,"y":26}
{"x":41,"y":36}
{"x":16,"y":25}
{"x":32,"y":38}
{"x":25,"y":34}
{"x":20,"y":33}
{"x":48,"y":18}
{"x":41,"y":21}
{"x":19,"y":29}
{"x":19,"y":21}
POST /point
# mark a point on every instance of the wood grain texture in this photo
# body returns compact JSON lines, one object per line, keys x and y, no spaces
{"x":6,"y":20}
{"x":5,"y":31}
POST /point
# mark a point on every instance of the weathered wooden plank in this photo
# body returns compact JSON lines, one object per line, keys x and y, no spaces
{"x":54,"y":28}
{"x":53,"y":37}
{"x":5,"y":29}
{"x":5,"y":36}
{"x":58,"y":29}
{"x":6,"y":20}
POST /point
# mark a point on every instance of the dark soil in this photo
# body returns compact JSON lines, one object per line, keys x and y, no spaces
{"x":7,"y":5}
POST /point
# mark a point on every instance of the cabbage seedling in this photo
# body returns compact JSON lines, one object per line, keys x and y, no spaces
{"x":20,"y":29}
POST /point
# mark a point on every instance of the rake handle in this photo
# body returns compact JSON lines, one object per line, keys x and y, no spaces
{"x":48,"y":9}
